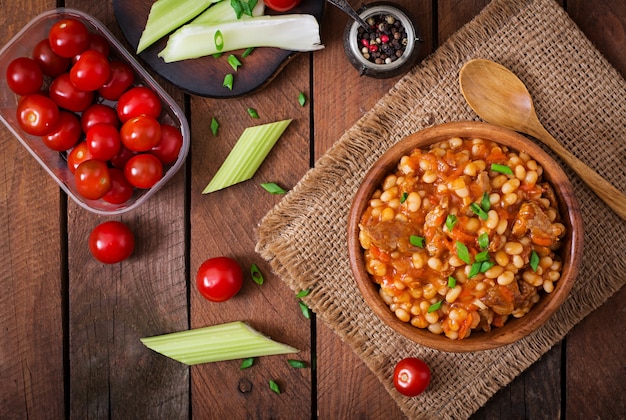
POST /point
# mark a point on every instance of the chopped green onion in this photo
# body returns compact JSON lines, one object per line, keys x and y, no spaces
{"x":483,"y":241}
{"x":298,"y":364}
{"x":486,"y":265}
{"x":167,"y":15}
{"x":274,"y":386}
{"x":417,"y":241}
{"x":503,"y":169}
{"x":242,"y":8}
{"x":474,"y":270}
{"x":252,"y":112}
{"x":451,"y":282}
{"x":257,"y":276}
{"x":234,"y":61}
{"x":216,"y":55}
{"x":482,"y":256}
{"x":247,"y":155}
{"x":303,"y":293}
{"x":301,"y":99}
{"x":534,"y":261}
{"x":247,"y":52}
{"x":451,"y":221}
{"x":199,"y":40}
{"x":305,"y":310}
{"x":214,"y":126}
{"x":485,"y":204}
{"x":222,"y":11}
{"x":479,"y":211}
{"x":404,"y":197}
{"x":228,"y":81}
{"x":273,"y":188}
{"x":462,"y":252}
{"x":435,"y":306}
{"x":228,"y":341}
{"x":246,"y":363}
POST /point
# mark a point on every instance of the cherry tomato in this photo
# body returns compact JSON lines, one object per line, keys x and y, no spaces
{"x":24,"y":76}
{"x":92,"y":179}
{"x":50,"y":62}
{"x":138,"y":101}
{"x":99,"y":114}
{"x":79,"y":154}
{"x":91,"y":71}
{"x":121,"y":77}
{"x":121,"y":190}
{"x":219,"y":279}
{"x":123,"y":156}
{"x":65,"y":134}
{"x":143,"y":170}
{"x":37,"y":114}
{"x":111,"y":242}
{"x":168,"y":147}
{"x":282,"y":5}
{"x":140,"y":134}
{"x":99,"y":43}
{"x":411,"y":376}
{"x":68,"y":37}
{"x":66,"y":95}
{"x":103,"y":141}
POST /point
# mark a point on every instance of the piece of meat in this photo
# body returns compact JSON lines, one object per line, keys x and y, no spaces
{"x":390,"y":235}
{"x":532,"y":219}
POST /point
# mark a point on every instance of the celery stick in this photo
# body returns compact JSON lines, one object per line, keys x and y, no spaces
{"x":167,"y":15}
{"x":295,"y":32}
{"x":251,"y":149}
{"x":228,"y":341}
{"x":224,"y":12}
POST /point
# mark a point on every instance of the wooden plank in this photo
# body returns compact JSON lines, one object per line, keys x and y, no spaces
{"x":33,"y":270}
{"x":224,"y":223}
{"x":111,"y":306}
{"x":340,"y":100}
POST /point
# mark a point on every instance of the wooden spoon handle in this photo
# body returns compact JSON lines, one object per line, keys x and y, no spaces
{"x":613,"y":197}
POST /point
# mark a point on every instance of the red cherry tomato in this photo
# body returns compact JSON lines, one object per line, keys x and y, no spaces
{"x":99,"y":43}
{"x":91,"y":71}
{"x":143,"y":170}
{"x":99,"y":114}
{"x":24,"y":76}
{"x":50,"y":62}
{"x":111,"y":242}
{"x":282,"y":5}
{"x":68,"y":37}
{"x":168,"y":147}
{"x":411,"y":376}
{"x":103,"y":141}
{"x":92,"y":179}
{"x":140,"y":134}
{"x":219,"y":279}
{"x":121,"y":77}
{"x":121,"y":190}
{"x":66,"y":95}
{"x":65,"y":134}
{"x":138,"y":101}
{"x":37,"y":114}
{"x":79,"y":154}
{"x":123,"y":156}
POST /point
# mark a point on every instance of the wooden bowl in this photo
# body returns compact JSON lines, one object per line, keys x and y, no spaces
{"x":515,"y":328}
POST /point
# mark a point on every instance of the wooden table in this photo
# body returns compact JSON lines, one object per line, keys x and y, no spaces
{"x":70,"y":327}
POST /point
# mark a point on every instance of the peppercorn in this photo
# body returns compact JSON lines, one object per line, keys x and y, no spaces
{"x":385,"y":41}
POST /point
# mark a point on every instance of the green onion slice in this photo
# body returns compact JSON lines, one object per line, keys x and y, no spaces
{"x":214,"y":126}
{"x":257,"y":276}
{"x":435,"y":306}
{"x":417,"y":241}
{"x":451,"y":221}
{"x":228,"y":81}
{"x":485,"y":204}
{"x":503,"y":169}
{"x":462,"y":252}
{"x":274,"y":386}
{"x":451,"y":282}
{"x":273,"y":188}
{"x":303,"y":293}
{"x":246,"y":363}
{"x":474,"y":270}
{"x":534,"y":261}
{"x":298,"y":364}
{"x":247,"y":52}
{"x":482,"y":256}
{"x":404,"y":197}
{"x":305,"y":310}
{"x":218,"y":38}
{"x":301,"y":99}
{"x":486,"y":265}
{"x":234,"y":61}
{"x":479,"y":211}
{"x":252,"y":112}
{"x":483,"y":241}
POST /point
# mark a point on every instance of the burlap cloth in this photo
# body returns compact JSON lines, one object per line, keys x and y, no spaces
{"x":580,"y":99}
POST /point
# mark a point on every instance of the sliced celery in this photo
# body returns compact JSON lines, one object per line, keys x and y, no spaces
{"x":228,"y":341}
{"x":224,"y":12}
{"x":295,"y":32}
{"x":249,"y":152}
{"x":167,"y":15}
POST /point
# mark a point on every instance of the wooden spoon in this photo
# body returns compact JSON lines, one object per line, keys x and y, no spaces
{"x":499,"y":97}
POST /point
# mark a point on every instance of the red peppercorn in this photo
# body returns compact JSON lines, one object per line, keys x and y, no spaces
{"x":373,"y":48}
{"x":384,"y":38}
{"x":365,"y":42}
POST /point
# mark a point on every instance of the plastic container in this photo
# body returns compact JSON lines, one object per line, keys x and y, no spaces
{"x":382,"y":71}
{"x":54,"y":162}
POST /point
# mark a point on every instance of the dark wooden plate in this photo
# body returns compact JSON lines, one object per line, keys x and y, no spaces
{"x":204,"y":76}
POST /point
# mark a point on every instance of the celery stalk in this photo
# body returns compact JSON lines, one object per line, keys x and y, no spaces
{"x":249,"y":152}
{"x":295,"y":32}
{"x":167,"y":15}
{"x":228,"y":341}
{"x":224,"y":12}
